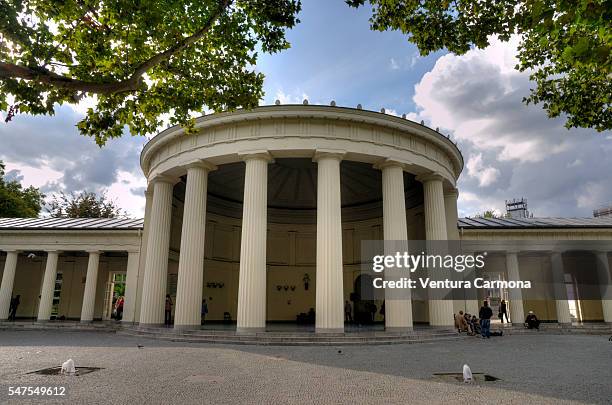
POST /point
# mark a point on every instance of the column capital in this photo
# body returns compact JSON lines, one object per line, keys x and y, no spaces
{"x":56,"y":251}
{"x":201,"y":164}
{"x":12,"y":250}
{"x":453,"y":191}
{"x":427,"y":177}
{"x":389,"y":162}
{"x":164,"y":178}
{"x":328,"y":154}
{"x":259,"y":154}
{"x":94,"y":251}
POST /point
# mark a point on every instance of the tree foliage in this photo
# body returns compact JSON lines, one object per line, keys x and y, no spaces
{"x":83,"y":205}
{"x":16,"y":201}
{"x":491,"y":213}
{"x":142,"y":59}
{"x":565,"y":45}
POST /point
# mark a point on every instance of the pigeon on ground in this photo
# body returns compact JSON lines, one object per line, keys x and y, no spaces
{"x":467,"y":374}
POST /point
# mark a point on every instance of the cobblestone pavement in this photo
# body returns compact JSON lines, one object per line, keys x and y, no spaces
{"x":532,"y":369}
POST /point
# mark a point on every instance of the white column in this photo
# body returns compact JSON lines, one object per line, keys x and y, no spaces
{"x":605,"y":279}
{"x":517,"y":313}
{"x":329,"y":283}
{"x":559,"y":289}
{"x":191,"y":261}
{"x":398,"y":311}
{"x":91,"y":280}
{"x":452,"y":216}
{"x":46,"y":293}
{"x":143,"y":251}
{"x":440,"y":311}
{"x":8,"y":280}
{"x":252,"y":277}
{"x":471,"y":300}
{"x":158,"y":245}
{"x":435,"y":210}
{"x":131,"y":285}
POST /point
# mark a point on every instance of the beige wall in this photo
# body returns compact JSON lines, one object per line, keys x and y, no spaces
{"x":290,"y":255}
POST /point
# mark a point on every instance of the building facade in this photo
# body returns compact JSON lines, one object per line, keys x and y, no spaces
{"x":263,"y":214}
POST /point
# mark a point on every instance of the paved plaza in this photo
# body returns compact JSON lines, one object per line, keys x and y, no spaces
{"x":533,"y":368}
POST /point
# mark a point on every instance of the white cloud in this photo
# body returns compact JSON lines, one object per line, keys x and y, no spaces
{"x":512,"y":149}
{"x":485,"y":94}
{"x":471,"y":204}
{"x":49,"y":153}
{"x":486,"y":175}
{"x":592,"y":195}
{"x":297,"y":97}
{"x":122,"y":192}
{"x":393,"y":65}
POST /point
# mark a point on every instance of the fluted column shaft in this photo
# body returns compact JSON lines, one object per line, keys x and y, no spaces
{"x":8,"y":280}
{"x":91,"y":281}
{"x":398,"y":312}
{"x":131,"y":285}
{"x":329,"y":284}
{"x":191,"y":262}
{"x":560,"y":291}
{"x":252,"y":276}
{"x":46,"y":294}
{"x":435,"y":210}
{"x":452,"y":216}
{"x":517,"y":312}
{"x":158,"y":243}
{"x":472,"y":306}
{"x":605,"y":280}
{"x":440,"y":311}
{"x":143,"y":252}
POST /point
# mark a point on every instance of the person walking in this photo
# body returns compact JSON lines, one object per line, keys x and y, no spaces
{"x":503,"y":311}
{"x":13,"y":307}
{"x":119,"y":308}
{"x":168,"y":312}
{"x":485,"y":315}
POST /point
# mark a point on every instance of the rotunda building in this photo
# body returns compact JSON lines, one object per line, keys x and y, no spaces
{"x":262,"y":213}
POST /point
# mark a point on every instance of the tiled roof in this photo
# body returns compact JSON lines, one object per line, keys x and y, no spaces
{"x":537,"y":223}
{"x":71,"y":223}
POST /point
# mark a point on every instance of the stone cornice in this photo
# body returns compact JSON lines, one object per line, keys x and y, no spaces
{"x":334,"y":114}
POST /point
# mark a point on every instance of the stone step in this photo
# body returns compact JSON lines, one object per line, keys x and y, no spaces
{"x":271,"y":339}
{"x":272,"y":336}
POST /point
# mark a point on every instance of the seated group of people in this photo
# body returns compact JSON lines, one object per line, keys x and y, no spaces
{"x":465,"y":322}
{"x":474,"y":326}
{"x":471,"y":325}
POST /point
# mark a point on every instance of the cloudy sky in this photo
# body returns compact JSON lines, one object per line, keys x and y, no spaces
{"x":510,"y":150}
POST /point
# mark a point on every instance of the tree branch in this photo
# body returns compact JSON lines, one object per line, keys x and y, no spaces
{"x":45,"y":76}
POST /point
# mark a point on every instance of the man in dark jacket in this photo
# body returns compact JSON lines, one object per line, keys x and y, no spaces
{"x":485,"y":315}
{"x":13,"y":307}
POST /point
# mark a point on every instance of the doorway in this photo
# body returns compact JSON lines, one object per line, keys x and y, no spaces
{"x":115,"y":290}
